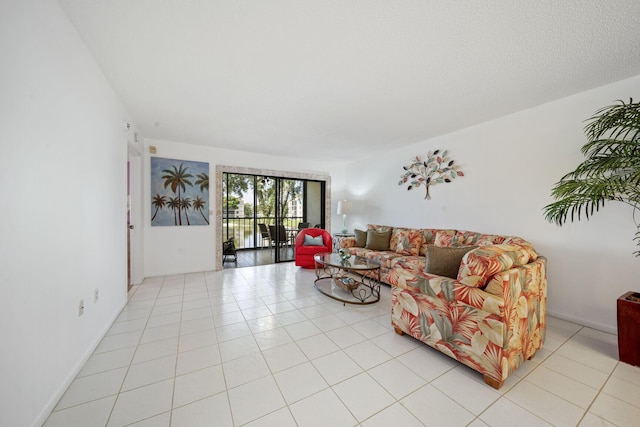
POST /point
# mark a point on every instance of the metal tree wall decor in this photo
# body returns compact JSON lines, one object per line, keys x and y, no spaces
{"x":435,"y":169}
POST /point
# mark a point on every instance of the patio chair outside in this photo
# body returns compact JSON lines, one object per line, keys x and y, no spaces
{"x":264,"y":233}
{"x":229,"y":249}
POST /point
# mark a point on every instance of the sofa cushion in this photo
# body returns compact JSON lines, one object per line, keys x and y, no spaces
{"x":378,"y":240}
{"x":361,"y":238}
{"x":445,"y":238}
{"x":466,"y":237}
{"x":486,"y":261}
{"x":409,"y":263}
{"x":428,"y":237}
{"x":405,"y":270}
{"x":445,"y":261}
{"x":489,"y":239}
{"x":354,"y":250}
{"x":313,"y":241}
{"x":311,"y":250}
{"x":384,"y":258}
{"x":406,"y":241}
{"x":379,"y":227}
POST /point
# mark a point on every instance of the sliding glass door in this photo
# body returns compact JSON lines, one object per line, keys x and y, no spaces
{"x":266,"y":212}
{"x":289,"y":214}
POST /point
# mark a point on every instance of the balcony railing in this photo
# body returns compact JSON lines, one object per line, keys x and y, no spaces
{"x":245,"y":230}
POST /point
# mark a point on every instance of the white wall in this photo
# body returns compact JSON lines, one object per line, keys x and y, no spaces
{"x":172,"y":250}
{"x":510,"y":166}
{"x":62,"y":221}
{"x":314,"y":203}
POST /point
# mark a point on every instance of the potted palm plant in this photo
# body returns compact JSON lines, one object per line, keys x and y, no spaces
{"x":610,"y":172}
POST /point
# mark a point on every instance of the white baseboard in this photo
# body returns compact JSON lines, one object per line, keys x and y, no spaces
{"x":584,"y":322}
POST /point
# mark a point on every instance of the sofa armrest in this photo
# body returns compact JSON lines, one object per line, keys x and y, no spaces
{"x":516,"y":295}
{"x":524,"y":292}
{"x":348,"y":242}
{"x":510,"y":284}
{"x":481,"y":264}
{"x":453,"y":291}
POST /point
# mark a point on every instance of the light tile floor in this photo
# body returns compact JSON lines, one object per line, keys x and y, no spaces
{"x":260,"y":346}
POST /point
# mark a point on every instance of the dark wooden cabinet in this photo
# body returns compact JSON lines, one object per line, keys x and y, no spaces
{"x":629,"y":328}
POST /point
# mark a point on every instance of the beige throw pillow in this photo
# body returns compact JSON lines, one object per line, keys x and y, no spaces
{"x":378,"y":240}
{"x":445,"y":260}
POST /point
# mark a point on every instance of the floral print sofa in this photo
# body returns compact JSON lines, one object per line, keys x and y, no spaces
{"x":491,"y":317}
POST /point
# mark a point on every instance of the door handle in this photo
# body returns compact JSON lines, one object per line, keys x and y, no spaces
{"x":131,"y":227}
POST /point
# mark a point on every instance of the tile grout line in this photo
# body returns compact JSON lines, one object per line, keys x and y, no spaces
{"x":600,"y":391}
{"x":269,"y":367}
{"x":226,"y":388}
{"x":504,"y":395}
{"x":175,"y":367}
{"x":115,"y":402}
{"x":585,"y":411}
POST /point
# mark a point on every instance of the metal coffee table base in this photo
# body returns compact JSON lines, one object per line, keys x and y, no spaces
{"x":348,"y":283}
{"x":363,"y":294}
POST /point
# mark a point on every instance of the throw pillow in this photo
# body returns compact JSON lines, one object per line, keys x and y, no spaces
{"x":445,"y":260}
{"x":406,"y":241}
{"x":361,"y":238}
{"x":378,"y":240}
{"x":313,"y":241}
{"x":445,"y":238}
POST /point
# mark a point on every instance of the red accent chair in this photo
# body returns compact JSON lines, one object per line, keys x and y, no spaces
{"x":304,"y":254}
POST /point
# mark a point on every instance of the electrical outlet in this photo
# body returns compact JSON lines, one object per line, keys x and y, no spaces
{"x":96,"y":295}
{"x":81,"y":308}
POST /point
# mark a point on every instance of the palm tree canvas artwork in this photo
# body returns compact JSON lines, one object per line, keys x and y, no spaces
{"x":179,"y":192}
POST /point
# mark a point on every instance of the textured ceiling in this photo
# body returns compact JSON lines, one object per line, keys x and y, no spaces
{"x":313,"y":78}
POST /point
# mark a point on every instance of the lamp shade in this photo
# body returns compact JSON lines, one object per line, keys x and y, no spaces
{"x":344,"y":207}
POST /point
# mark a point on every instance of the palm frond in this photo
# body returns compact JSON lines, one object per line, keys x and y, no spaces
{"x":619,"y":121}
{"x":610,"y":171}
{"x":578,"y":197}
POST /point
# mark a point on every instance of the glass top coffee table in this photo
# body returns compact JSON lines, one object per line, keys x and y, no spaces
{"x":355,"y":280}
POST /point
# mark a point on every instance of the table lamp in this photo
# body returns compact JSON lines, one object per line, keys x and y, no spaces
{"x":344,"y":208}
